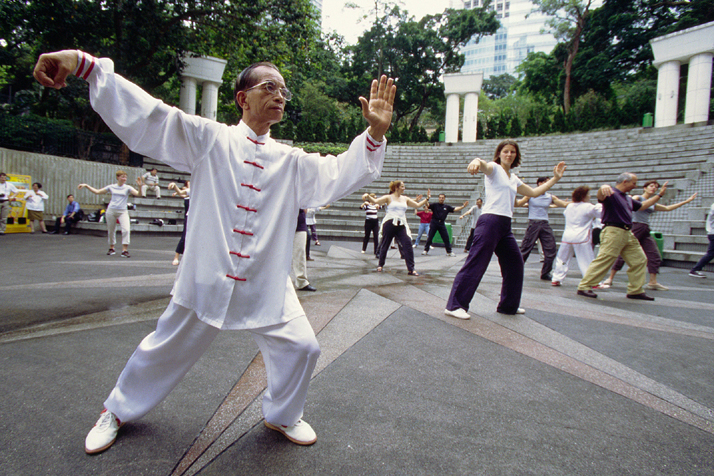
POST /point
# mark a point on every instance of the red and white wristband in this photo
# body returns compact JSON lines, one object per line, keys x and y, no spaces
{"x":85,"y":65}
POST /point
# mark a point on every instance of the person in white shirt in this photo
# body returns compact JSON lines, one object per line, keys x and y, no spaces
{"x":7,"y":195}
{"x":577,"y":236}
{"x":149,"y":181}
{"x":493,"y":232}
{"x":35,"y":204}
{"x":475,"y":212}
{"x":117,"y":210}
{"x":246,"y":189}
{"x":709,"y":255}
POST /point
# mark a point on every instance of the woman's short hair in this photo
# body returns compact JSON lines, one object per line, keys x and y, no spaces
{"x":39,"y":185}
{"x":394,"y":185}
{"x":120,"y":173}
{"x":650,"y":182}
{"x":497,"y":154}
{"x":580,"y":192}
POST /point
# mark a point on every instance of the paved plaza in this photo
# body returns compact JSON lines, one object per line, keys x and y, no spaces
{"x":576,"y":386}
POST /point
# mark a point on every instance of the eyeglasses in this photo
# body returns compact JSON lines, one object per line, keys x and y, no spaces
{"x":273,"y":89}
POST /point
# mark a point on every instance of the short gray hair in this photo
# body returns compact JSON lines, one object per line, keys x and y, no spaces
{"x":625,"y":177}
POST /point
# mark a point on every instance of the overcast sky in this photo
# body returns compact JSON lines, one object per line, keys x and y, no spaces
{"x":344,"y":20}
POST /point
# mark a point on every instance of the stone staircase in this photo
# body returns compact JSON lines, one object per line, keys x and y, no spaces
{"x":682,"y":155}
{"x":169,"y":209}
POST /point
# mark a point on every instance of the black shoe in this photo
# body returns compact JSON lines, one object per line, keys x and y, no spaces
{"x":309,"y":259}
{"x":54,"y":232}
{"x":587,"y":293}
{"x":308,"y":288}
{"x":547,"y":277}
{"x":641,"y":297}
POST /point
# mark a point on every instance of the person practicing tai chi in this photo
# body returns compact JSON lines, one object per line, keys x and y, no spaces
{"x":117,"y":211}
{"x":371,"y":223}
{"x":617,"y":239}
{"x":185,"y":193}
{"x":394,"y":223}
{"x":440,"y":211}
{"x":641,"y":230}
{"x":539,"y":228}
{"x":696,"y":271}
{"x":493,"y":232}
{"x":246,"y":190}
{"x":577,"y":236}
{"x":475,"y":212}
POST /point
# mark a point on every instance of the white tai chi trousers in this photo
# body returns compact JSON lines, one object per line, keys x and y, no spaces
{"x":300,"y":259}
{"x":111,"y":216}
{"x":290,"y":351}
{"x":583,"y":252}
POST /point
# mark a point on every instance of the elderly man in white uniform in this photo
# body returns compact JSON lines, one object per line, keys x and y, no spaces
{"x":246,"y":190}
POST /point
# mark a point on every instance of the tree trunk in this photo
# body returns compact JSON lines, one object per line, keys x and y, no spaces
{"x":572,"y":51}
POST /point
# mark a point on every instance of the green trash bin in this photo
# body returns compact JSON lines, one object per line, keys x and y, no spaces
{"x":437,"y":237}
{"x":647,"y":120}
{"x":658,"y":237}
{"x":442,"y":136}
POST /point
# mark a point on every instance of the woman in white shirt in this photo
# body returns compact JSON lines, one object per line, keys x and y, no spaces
{"x":577,"y":236}
{"x":35,"y":204}
{"x":117,"y":210}
{"x":493,"y":232}
{"x":394,"y":222}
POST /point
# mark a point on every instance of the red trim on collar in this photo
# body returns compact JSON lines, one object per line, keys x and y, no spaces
{"x":256,"y":142}
{"x":238,"y":254}
{"x":243,"y":232}
{"x":235,"y":277}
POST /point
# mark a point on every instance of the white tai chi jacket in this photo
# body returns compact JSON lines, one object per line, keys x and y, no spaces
{"x":246,"y":191}
{"x":579,"y":218}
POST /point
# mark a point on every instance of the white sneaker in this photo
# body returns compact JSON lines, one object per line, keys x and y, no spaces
{"x":657,"y":286}
{"x":697,"y":274}
{"x":520,"y":310}
{"x":103,"y":434}
{"x":413,"y":246}
{"x":424,"y":253}
{"x":457,"y":313}
{"x":301,"y":433}
{"x":452,"y":254}
{"x":362,"y":251}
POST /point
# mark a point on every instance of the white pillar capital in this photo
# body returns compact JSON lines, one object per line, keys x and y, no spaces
{"x":456,"y":85}
{"x":208,"y":71}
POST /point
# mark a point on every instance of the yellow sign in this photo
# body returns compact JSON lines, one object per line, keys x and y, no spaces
{"x":17,"y":221}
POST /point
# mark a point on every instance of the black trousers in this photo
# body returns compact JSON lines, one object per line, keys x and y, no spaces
{"x":68,"y":222}
{"x":540,"y":230}
{"x":182,"y":242}
{"x":371,"y":226}
{"x":441,"y":228}
{"x":391,"y":231}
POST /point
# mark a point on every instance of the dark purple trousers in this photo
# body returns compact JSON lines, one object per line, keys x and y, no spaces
{"x":492,"y":235}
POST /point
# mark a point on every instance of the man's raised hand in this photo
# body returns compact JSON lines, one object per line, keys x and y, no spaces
{"x":378,"y":110}
{"x":52,"y":69}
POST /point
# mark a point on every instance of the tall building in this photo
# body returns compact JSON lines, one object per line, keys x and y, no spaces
{"x":518,"y":36}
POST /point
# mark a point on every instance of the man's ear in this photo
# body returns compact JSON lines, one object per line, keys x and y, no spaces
{"x":241,"y":100}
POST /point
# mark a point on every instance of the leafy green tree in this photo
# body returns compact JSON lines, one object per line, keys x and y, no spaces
{"x":568,"y":20}
{"x":417,"y":53}
{"x":499,"y":86}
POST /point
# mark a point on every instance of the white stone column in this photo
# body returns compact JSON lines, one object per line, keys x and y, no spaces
{"x":209,"y":100}
{"x":667,"y":94}
{"x":187,"y":99}
{"x":699,"y":85}
{"x":452,"y":118}
{"x":470,"y":117}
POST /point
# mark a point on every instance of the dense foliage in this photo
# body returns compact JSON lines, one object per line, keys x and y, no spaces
{"x":599,"y":76}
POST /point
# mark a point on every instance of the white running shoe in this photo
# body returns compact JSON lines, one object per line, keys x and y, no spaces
{"x":452,"y":254}
{"x":103,"y":434}
{"x":301,"y":433}
{"x":457,"y":313}
{"x":520,"y":310}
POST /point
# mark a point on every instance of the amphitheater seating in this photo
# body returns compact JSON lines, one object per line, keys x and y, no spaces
{"x":683,"y":155}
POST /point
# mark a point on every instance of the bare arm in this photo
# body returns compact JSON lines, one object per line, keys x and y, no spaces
{"x":458,"y":209}
{"x":384,"y":199}
{"x":100,"y":191}
{"x":528,"y":191}
{"x":134,"y":192}
{"x":558,"y":202}
{"x":674,"y":206}
{"x":415,"y":203}
{"x":481,"y":165}
{"x":522,"y":202}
